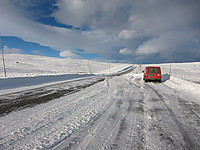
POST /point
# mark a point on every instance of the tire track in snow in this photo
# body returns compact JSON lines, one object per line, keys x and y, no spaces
{"x":136,"y":121}
{"x":189,"y":141}
{"x":136,"y":109}
{"x":192,"y":106}
{"x":130,"y":134}
{"x":120,"y":126}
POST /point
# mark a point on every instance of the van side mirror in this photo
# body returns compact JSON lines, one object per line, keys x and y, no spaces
{"x":143,"y":71}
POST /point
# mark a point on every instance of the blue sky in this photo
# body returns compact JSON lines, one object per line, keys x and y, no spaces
{"x":40,"y":11}
{"x":28,"y":47}
{"x":129,"y":31}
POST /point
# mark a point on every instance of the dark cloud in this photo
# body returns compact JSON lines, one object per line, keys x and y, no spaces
{"x":129,"y":30}
{"x":148,"y":28}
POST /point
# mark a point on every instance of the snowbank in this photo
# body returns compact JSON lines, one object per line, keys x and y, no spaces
{"x":186,"y":86}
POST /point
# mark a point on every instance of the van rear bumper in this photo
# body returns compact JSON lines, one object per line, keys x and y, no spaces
{"x":150,"y":79}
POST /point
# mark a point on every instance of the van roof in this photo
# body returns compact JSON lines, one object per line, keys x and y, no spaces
{"x":152,"y":67}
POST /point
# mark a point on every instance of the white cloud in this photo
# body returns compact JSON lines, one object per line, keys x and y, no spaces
{"x":14,"y":23}
{"x":69,"y":54}
{"x":127,"y":34}
{"x":126,"y":51}
{"x":11,"y":50}
{"x":168,"y":43}
{"x":97,"y":14}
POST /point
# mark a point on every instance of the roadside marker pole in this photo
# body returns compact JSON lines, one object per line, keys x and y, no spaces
{"x":109,"y":67}
{"x":89,"y":66}
{"x":170,"y":70}
{"x":4,"y":66}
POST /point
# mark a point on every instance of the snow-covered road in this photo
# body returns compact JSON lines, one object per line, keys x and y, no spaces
{"x":121,"y":112}
{"x":140,"y":116}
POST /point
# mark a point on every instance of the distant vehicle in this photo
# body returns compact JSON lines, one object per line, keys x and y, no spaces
{"x":152,"y":74}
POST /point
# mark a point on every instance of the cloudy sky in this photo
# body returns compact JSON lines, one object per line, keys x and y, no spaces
{"x":131,"y":31}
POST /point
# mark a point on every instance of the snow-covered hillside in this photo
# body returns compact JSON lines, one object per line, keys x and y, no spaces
{"x":28,"y":71}
{"x":19,"y":65}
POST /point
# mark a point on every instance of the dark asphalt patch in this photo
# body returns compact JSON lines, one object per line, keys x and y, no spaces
{"x":30,"y":99}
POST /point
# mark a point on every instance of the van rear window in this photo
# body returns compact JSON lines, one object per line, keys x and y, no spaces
{"x":153,"y":70}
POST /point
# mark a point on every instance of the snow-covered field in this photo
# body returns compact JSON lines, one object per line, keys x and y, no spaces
{"x":120,"y":112}
{"x":19,"y":65}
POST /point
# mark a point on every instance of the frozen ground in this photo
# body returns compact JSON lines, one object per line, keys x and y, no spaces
{"x":19,"y":65}
{"x":102,"y":112}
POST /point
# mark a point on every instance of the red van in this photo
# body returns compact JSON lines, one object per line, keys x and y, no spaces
{"x":152,"y":74}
